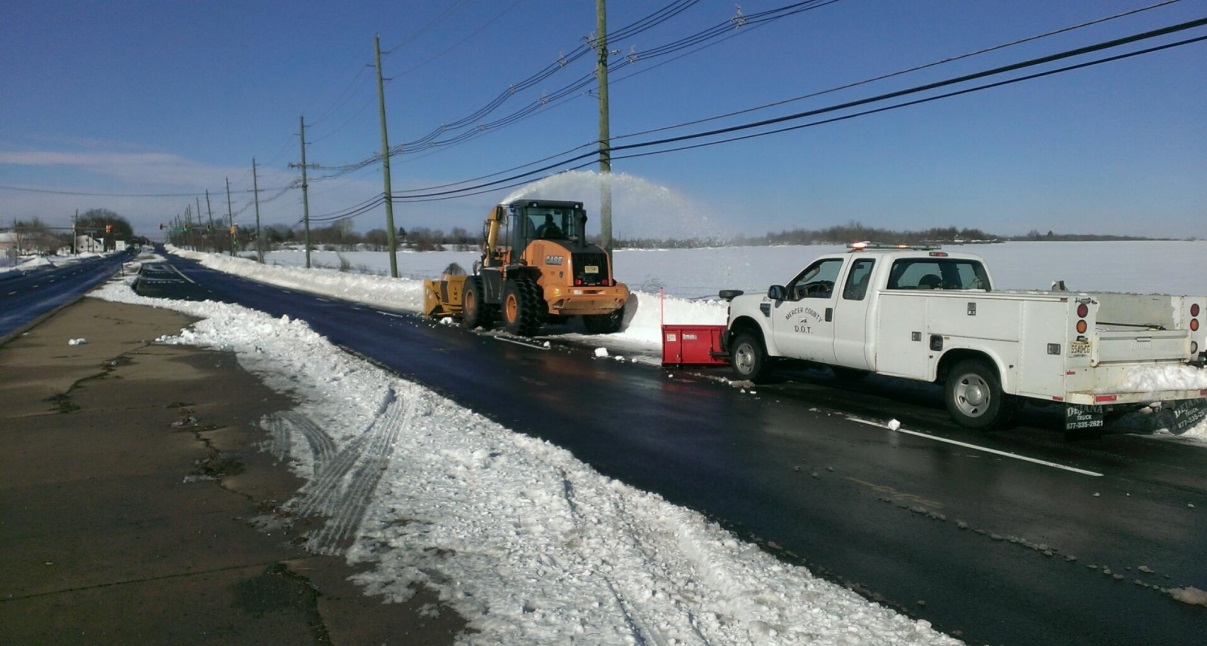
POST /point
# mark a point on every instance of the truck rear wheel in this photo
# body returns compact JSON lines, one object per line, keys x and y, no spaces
{"x":522,"y":307}
{"x":749,"y":359}
{"x":474,"y":311}
{"x":974,"y":396}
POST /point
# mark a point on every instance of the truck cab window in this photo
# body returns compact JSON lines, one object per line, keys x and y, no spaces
{"x":816,"y":281}
{"x":938,"y":273}
{"x":857,"y":280}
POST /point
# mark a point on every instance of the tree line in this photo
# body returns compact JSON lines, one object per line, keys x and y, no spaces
{"x":35,"y":236}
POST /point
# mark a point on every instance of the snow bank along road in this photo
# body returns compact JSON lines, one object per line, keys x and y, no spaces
{"x":983,"y":545}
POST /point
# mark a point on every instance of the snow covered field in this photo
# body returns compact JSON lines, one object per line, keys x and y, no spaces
{"x":529,"y":544}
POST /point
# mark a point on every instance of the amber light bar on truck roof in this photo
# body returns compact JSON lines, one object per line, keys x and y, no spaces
{"x":860,"y":246}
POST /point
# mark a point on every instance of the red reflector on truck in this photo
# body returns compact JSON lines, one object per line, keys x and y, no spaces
{"x":1105,"y":398}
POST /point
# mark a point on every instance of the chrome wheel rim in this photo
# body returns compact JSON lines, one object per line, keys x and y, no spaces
{"x":972,"y":395}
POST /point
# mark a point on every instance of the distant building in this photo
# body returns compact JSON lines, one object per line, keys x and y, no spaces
{"x":8,"y":249}
{"x":88,"y":244}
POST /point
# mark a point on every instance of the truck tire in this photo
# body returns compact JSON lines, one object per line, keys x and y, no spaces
{"x":604,"y":323}
{"x":474,"y":311}
{"x":521,"y":307}
{"x":974,"y":396}
{"x":749,"y":358}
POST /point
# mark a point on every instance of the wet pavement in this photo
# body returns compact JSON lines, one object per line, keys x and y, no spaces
{"x":136,"y":507}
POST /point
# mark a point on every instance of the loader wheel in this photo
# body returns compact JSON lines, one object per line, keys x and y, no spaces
{"x":604,"y":323}
{"x":749,"y":359}
{"x":521,"y":307}
{"x":474,"y":312}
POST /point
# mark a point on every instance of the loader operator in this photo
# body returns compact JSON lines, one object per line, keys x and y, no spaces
{"x":549,"y":229}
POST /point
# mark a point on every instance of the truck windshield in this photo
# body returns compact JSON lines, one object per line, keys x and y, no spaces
{"x":938,"y":273}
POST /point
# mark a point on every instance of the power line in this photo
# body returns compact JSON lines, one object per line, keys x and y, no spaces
{"x":732,"y":25}
{"x":494,"y":185}
{"x":947,"y":95}
{"x":897,"y":73}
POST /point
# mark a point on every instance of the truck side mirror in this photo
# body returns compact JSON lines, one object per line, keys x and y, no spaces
{"x":777,"y":293}
{"x":730,"y":294}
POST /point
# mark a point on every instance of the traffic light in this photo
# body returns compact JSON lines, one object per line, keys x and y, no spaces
{"x":161,"y":226}
{"x":108,"y":228}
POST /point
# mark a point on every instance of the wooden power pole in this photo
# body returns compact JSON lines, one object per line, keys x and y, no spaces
{"x":385,"y":163}
{"x":605,"y":138}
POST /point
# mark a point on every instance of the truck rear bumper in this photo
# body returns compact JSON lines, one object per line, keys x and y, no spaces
{"x":1101,"y":399}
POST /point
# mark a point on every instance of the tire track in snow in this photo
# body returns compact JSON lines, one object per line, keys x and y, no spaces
{"x":354,"y":491}
{"x":629,"y":609}
{"x":279,"y":431}
{"x":321,"y":496}
{"x":281,"y":425}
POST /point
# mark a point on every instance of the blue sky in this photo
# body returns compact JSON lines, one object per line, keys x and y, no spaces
{"x":141,"y":106}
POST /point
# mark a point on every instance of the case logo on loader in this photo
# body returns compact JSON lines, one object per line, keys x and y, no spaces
{"x":554,"y":260}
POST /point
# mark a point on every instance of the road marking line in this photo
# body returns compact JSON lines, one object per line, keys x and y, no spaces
{"x":982,"y":448}
{"x":526,"y":344}
{"x":397,"y":316}
{"x":182,"y":274}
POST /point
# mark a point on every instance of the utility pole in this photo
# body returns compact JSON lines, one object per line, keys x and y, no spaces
{"x":74,"y":236}
{"x":194,"y":245}
{"x":305,"y":190}
{"x":385,"y":162}
{"x":230,"y":216}
{"x":255,"y":190}
{"x":605,"y":138}
{"x":209,"y":238}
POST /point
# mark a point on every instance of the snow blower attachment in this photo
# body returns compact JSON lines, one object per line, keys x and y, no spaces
{"x":536,"y":267}
{"x":443,"y":297}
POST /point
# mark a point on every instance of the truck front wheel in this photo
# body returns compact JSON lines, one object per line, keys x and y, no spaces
{"x":974,"y":395}
{"x":749,"y":359}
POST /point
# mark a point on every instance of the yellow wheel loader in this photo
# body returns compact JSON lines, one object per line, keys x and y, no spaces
{"x":536,"y":267}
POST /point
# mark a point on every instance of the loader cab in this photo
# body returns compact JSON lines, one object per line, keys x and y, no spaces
{"x":564,"y":222}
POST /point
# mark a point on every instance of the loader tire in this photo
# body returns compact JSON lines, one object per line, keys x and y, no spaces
{"x":522,"y":307}
{"x":474,"y":311}
{"x":604,"y":323}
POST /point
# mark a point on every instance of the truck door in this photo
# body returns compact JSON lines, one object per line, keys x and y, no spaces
{"x":851,"y":317}
{"x":802,"y":325}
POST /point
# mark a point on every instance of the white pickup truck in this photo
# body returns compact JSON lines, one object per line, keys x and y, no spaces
{"x":926,"y":314}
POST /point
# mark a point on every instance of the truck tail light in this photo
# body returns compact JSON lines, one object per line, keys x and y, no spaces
{"x":1194,"y":321}
{"x":1083,"y":311}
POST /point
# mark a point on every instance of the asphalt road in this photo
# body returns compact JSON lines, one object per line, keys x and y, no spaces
{"x":27,"y":296}
{"x":1009,"y":537}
